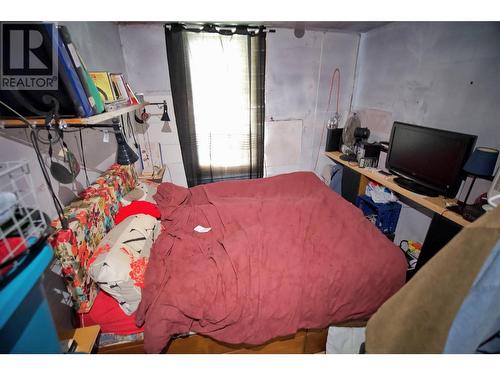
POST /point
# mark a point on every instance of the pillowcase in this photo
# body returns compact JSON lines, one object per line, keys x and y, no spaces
{"x":133,"y":195}
{"x":119,"y":262}
{"x":137,"y":207}
{"x":149,"y":188}
{"x":108,"y":314}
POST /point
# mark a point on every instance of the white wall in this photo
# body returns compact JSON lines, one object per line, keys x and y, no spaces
{"x":442,"y":75}
{"x":298,"y":73}
{"x":145,"y":55}
{"x":298,"y":76}
{"x":100,"y":47}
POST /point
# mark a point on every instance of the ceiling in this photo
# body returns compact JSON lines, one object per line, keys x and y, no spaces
{"x":360,"y":27}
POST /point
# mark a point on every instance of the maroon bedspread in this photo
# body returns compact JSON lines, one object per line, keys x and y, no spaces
{"x":283,"y":253}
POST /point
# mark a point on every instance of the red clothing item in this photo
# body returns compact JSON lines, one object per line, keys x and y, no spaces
{"x":137,"y":207}
{"x":107,"y":313}
{"x":13,"y":242}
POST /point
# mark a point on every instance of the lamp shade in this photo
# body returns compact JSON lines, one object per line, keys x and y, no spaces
{"x":165,"y":116}
{"x":124,"y":154}
{"x":482,"y":162}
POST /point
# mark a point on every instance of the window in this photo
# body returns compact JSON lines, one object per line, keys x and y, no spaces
{"x":220,"y":88}
{"x":218,"y":92}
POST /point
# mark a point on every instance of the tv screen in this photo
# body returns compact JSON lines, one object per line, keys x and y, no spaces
{"x":431,"y":158}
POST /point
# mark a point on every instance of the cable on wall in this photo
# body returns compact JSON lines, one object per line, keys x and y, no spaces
{"x":34,"y":141}
{"x":355,"y":76}
{"x":336,"y":73}
{"x":83,"y":159}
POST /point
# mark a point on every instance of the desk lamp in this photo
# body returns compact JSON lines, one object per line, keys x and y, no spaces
{"x":480,"y":164}
{"x":124,"y":154}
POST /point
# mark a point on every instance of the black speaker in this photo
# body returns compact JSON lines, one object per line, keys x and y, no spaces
{"x":333,"y":140}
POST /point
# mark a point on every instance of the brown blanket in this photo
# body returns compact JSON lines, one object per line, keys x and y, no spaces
{"x":418,"y":318}
{"x":282,"y":253}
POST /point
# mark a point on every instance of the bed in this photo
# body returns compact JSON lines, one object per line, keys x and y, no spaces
{"x":276,"y":261}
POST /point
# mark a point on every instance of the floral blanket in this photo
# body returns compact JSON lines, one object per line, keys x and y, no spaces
{"x":89,"y":218}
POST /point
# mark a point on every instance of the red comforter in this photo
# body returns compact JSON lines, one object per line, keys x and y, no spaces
{"x":283,"y":253}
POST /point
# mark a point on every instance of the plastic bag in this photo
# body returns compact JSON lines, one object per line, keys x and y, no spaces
{"x":379,"y":193}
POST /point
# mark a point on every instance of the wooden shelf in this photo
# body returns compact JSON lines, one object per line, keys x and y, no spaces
{"x":82,"y":121}
{"x":435,"y":204}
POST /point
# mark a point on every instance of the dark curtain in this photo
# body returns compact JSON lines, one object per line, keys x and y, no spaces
{"x":178,"y":54}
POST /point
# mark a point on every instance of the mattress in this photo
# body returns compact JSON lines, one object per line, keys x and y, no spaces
{"x":246,"y":261}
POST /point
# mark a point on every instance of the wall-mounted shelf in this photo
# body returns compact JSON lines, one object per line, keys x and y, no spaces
{"x":435,"y":204}
{"x":75,"y":121}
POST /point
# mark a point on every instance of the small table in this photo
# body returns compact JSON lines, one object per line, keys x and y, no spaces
{"x":435,"y":204}
{"x":445,"y":224}
{"x":85,"y":338}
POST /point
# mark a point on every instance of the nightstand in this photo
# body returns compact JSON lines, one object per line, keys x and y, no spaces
{"x":85,"y":338}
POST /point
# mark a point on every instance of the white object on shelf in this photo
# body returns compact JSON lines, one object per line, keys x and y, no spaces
{"x":8,"y":202}
{"x":20,"y":211}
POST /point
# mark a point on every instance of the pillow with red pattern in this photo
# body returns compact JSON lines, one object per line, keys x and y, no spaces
{"x":119,"y":262}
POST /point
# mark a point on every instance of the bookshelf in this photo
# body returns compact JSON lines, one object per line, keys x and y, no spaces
{"x":75,"y":121}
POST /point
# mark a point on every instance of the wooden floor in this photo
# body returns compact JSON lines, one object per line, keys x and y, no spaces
{"x":307,"y":341}
{"x":303,"y":342}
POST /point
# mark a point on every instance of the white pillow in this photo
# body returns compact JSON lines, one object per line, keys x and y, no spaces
{"x":119,"y":262}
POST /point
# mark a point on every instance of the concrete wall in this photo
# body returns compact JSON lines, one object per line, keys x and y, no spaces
{"x":145,"y":55}
{"x":100,"y":47}
{"x":442,"y":75}
{"x":298,"y":73}
{"x":298,"y":76}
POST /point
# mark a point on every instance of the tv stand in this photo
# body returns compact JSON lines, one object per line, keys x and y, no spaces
{"x":438,"y":205}
{"x":445,"y":223}
{"x":415,"y":187}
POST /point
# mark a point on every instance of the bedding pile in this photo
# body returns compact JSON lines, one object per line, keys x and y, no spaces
{"x":248,"y":261}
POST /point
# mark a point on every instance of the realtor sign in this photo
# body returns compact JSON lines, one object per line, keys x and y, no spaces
{"x":28,"y":56}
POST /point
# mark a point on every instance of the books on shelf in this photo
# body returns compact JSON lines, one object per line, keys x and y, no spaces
{"x":119,"y":85}
{"x":114,"y":85}
{"x":70,"y":77}
{"x":131,"y":95}
{"x":79,"y":65}
{"x":103,"y":83}
{"x":122,"y":88}
{"x":67,"y":97}
{"x":79,"y":92}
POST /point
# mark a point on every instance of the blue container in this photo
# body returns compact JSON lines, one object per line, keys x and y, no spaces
{"x":387,"y":214}
{"x":26,"y":324}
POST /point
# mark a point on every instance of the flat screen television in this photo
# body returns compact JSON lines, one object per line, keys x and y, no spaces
{"x":428,"y":161}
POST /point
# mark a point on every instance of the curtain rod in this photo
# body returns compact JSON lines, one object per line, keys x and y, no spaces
{"x":223,"y":29}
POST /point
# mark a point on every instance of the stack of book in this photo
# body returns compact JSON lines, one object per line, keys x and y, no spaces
{"x":114,"y":89}
{"x":79,"y":92}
